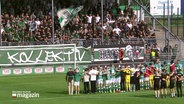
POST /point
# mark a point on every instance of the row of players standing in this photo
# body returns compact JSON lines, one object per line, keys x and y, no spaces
{"x":107,"y":79}
{"x":116,"y":79}
{"x":168,"y":76}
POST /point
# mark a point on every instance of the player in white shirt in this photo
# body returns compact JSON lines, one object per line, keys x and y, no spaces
{"x":93,"y":77}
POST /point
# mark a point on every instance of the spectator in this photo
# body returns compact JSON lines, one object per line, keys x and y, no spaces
{"x":174,"y":51}
{"x":117,"y":30}
{"x":31,"y":17}
{"x":167,"y":49}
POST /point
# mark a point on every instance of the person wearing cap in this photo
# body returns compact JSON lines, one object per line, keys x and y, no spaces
{"x":69,"y":79}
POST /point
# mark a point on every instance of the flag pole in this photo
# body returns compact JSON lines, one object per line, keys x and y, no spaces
{"x":168,"y":24}
{"x":0,"y":26}
{"x":102,"y":19}
{"x":53,"y":36}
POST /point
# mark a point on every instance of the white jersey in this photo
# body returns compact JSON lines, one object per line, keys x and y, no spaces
{"x":86,"y":78}
{"x":93,"y":74}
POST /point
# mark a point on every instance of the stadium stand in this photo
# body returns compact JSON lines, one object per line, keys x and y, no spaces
{"x":30,"y":23}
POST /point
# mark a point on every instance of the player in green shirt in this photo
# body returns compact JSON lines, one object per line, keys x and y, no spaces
{"x":100,"y":79}
{"x":77,"y":78}
{"x":180,"y":67}
{"x":166,"y":66}
{"x":112,"y":76}
{"x":157,"y":65}
{"x":118,"y":79}
{"x":107,"y":79}
{"x":142,"y":69}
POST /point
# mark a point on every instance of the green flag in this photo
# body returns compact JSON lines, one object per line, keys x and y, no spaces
{"x":66,"y":15}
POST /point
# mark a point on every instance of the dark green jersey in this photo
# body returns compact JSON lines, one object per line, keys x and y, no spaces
{"x":77,"y":77}
{"x":100,"y":75}
{"x":118,"y":73}
{"x":112,"y":72}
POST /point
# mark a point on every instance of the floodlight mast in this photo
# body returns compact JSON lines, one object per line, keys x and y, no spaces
{"x":0,"y":26}
{"x":102,"y":20}
{"x":169,"y":27}
{"x":53,"y":35}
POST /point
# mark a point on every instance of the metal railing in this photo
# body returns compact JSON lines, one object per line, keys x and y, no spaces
{"x":81,"y":42}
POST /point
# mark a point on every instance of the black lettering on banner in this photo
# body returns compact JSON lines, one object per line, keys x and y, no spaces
{"x":108,"y":54}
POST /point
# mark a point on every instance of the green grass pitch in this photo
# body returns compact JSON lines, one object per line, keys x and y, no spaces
{"x":53,"y":90}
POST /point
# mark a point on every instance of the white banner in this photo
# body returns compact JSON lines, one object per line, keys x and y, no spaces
{"x":28,"y":70}
{"x":17,"y":71}
{"x":38,"y":70}
{"x":60,"y":69}
{"x":6,"y":72}
{"x":49,"y":69}
{"x":157,"y":7}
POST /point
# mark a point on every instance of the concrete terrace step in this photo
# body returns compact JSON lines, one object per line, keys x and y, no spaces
{"x":161,"y":41}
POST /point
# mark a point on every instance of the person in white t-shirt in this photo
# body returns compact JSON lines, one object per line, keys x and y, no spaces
{"x":97,"y":18}
{"x":89,"y":18}
{"x":93,"y":77}
{"x":38,"y":22}
{"x":129,"y":24}
{"x":86,"y":79}
{"x":117,"y":30}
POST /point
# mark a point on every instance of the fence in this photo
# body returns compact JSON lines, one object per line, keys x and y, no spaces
{"x":167,"y":32}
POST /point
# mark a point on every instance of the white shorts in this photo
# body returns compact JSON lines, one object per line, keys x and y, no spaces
{"x":76,"y":83}
{"x":146,"y":79}
{"x":113,"y":80}
{"x":108,"y":82}
{"x":118,"y":80}
{"x":141,"y":80}
{"x":100,"y":81}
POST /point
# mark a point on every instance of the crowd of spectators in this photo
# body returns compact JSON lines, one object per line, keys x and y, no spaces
{"x":30,"y":22}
